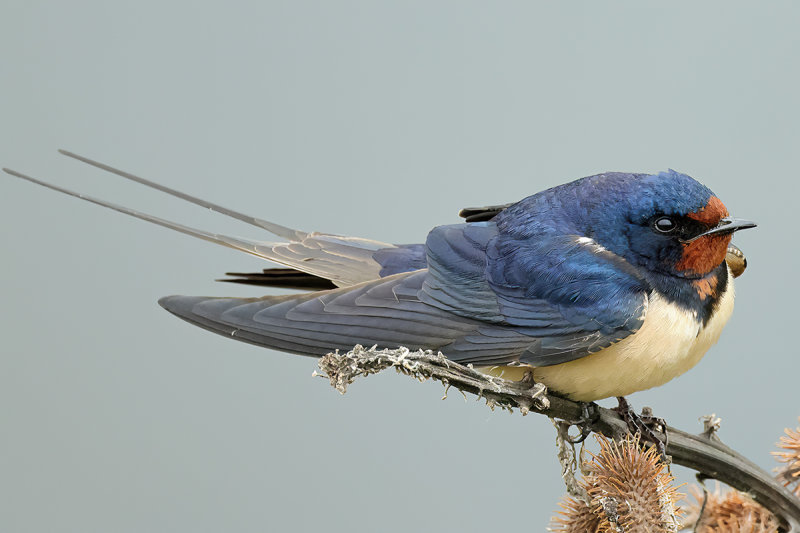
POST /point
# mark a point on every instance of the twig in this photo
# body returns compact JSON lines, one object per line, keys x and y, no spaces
{"x":705,"y":455}
{"x":569,"y":461}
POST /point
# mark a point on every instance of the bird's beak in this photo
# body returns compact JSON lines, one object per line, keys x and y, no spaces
{"x":726,"y":225}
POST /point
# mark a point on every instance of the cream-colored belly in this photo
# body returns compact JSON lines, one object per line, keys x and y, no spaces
{"x":670,"y":342}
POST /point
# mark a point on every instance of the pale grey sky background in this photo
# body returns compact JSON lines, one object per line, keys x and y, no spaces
{"x":376,"y":119}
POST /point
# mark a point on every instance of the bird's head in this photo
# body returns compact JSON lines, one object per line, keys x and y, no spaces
{"x":667,"y":222}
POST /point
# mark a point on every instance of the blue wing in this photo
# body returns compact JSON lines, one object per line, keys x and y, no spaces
{"x":485,"y":298}
{"x":568,"y":294}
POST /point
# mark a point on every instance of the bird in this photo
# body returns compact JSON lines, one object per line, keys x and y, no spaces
{"x":601,"y":287}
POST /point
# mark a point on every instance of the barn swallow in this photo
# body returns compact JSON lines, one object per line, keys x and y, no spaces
{"x":600,"y":287}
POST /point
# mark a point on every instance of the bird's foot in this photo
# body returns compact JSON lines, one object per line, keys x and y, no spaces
{"x":646,"y":425}
{"x":589,"y":415}
{"x":538,"y":394}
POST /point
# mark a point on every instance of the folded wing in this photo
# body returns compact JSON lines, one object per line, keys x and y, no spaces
{"x":459,"y":305}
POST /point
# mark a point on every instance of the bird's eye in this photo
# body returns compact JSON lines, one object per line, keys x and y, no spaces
{"x":665,"y":225}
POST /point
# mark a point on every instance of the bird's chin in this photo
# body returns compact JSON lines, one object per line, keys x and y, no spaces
{"x":701,"y":256}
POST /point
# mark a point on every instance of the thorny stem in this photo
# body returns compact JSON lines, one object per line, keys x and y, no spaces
{"x":706,"y":455}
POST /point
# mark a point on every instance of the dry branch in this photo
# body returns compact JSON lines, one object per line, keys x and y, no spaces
{"x":703,"y":453}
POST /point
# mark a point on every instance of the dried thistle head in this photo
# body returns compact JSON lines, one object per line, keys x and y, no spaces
{"x":637,"y":481}
{"x":790,"y":473}
{"x":732,"y":512}
{"x":575,"y":516}
{"x":629,"y":490}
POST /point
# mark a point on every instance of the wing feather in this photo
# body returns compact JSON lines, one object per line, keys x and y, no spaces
{"x":459,"y":305}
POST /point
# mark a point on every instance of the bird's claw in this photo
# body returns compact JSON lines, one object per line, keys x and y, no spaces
{"x":646,"y":425}
{"x":589,"y":415}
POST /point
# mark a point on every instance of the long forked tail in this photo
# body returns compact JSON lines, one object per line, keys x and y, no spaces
{"x":343,"y":260}
{"x":275,"y":229}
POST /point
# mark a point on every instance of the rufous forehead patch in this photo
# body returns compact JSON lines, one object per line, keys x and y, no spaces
{"x":712,"y":213}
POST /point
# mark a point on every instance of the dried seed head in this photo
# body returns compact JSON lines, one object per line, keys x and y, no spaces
{"x":732,"y":512}
{"x":789,"y":474}
{"x":638,"y":481}
{"x":630,"y":490}
{"x":575,"y":516}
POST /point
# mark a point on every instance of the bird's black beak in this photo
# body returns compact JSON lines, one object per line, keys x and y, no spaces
{"x":726,"y":225}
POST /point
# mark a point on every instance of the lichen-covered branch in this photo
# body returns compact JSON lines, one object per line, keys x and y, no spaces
{"x":343,"y":369}
{"x":703,"y":453}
